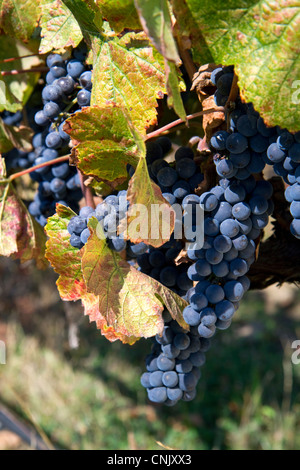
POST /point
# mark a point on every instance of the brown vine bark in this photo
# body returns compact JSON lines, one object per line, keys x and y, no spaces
{"x":278,"y":261}
{"x":205,"y":92}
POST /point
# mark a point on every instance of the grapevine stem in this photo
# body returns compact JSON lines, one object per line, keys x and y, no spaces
{"x":11,"y":59}
{"x":67,"y":108}
{"x":86,"y":191}
{"x":16,"y":72}
{"x":186,"y":59}
{"x":181,"y":121}
{"x":41,"y":165}
{"x":184,"y":52}
{"x":234,"y":91}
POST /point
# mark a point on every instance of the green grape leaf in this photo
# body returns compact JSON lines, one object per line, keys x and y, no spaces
{"x":156,"y":21}
{"x":66,"y":261}
{"x":15,"y":90}
{"x":13,"y":136}
{"x":88,"y":16}
{"x":189,"y":34}
{"x":21,"y":237}
{"x":105,"y":142}
{"x":59,"y":28}
{"x":261,"y":39}
{"x":130,"y":301}
{"x":18,"y":18}
{"x":150,"y":218}
{"x":128,"y":71}
{"x":121,"y":14}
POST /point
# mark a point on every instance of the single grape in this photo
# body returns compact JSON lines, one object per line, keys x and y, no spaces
{"x":83,"y":98}
{"x":75,"y":68}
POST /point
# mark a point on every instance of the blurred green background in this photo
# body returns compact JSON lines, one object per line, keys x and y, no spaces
{"x":82,"y":392}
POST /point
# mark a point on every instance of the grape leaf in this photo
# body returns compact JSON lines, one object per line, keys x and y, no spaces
{"x":88,"y":16}
{"x":13,"y":136}
{"x":66,"y":261}
{"x":59,"y":27}
{"x":20,"y":235}
{"x":90,"y":304}
{"x":150,"y":217}
{"x":121,"y":14}
{"x":261,"y":38}
{"x":16,"y":89}
{"x":130,"y":301}
{"x":129,"y":72}
{"x":105,"y":142}
{"x":18,"y":18}
{"x":156,"y":21}
{"x":188,"y":33}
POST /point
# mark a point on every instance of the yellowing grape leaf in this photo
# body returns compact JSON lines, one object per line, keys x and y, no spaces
{"x":59,"y":27}
{"x":18,"y":18}
{"x":90,"y":304}
{"x":105,"y":142}
{"x":261,"y":38}
{"x":131,"y":302}
{"x":66,"y":261}
{"x":20,"y":235}
{"x":128,"y":71}
{"x":157,"y":24}
{"x":156,"y":20}
{"x":15,"y":90}
{"x":13,"y":136}
{"x":120,"y":14}
{"x":150,"y":217}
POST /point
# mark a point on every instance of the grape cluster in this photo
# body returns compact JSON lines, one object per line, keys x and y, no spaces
{"x":12,"y":119}
{"x":159,"y":263}
{"x":235,"y":214}
{"x":109,"y":213}
{"x":58,"y":183}
{"x":173,"y":366}
{"x":62,"y":83}
{"x":15,"y":158}
{"x":67,"y":88}
{"x":222,"y":78}
{"x":250,"y":145}
{"x":177,"y":179}
{"x":284,"y":154}
{"x":240,"y":152}
{"x":236,"y":211}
